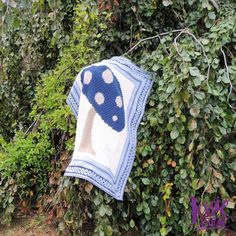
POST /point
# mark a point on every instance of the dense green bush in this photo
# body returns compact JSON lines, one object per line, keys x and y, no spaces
{"x":32,"y":36}
{"x":186,"y":140}
{"x":24,"y":169}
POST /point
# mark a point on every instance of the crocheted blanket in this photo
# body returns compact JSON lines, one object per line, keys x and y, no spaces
{"x":108,"y":99}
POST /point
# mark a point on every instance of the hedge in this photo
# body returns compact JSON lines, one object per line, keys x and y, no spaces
{"x":186,"y":140}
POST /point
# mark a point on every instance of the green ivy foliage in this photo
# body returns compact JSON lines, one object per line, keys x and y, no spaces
{"x":32,"y":36}
{"x":186,"y":140}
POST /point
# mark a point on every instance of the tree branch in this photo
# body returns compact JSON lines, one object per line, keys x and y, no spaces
{"x":215,"y":3}
{"x":227,"y":73}
{"x":150,"y":38}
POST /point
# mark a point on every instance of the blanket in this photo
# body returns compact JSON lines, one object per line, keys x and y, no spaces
{"x":108,"y":100}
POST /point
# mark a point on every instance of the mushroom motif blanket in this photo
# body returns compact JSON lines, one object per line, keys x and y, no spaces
{"x":108,"y":100}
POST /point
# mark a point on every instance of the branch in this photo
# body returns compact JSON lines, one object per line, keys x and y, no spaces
{"x":4,"y":16}
{"x":34,"y":123}
{"x":227,"y":73}
{"x":68,"y":67}
{"x":215,"y":3}
{"x":150,"y":38}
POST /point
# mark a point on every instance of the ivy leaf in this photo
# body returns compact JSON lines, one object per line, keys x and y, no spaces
{"x":198,"y":80}
{"x":230,"y":204}
{"x":190,"y":147}
{"x":218,"y":175}
{"x":212,"y":15}
{"x":215,"y":159}
{"x":185,"y":96}
{"x":170,"y":88}
{"x":181,"y":139}
{"x":61,"y":226}
{"x":192,"y":125}
{"x":200,"y":95}
{"x":132,"y":223}
{"x":222,"y":130}
{"x":102,"y":210}
{"x":194,"y":111}
{"x":194,"y":71}
{"x":183,"y":173}
{"x":197,"y":183}
{"x":167,"y":2}
{"x":139,"y":207}
{"x":12,"y":3}
{"x":108,"y":230}
{"x":88,"y":188}
{"x":155,"y":67}
{"x":205,"y":41}
{"x":174,"y":134}
{"x":146,"y":181}
{"x":153,"y":121}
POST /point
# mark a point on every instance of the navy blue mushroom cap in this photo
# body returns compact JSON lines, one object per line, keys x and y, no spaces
{"x":103,"y":91}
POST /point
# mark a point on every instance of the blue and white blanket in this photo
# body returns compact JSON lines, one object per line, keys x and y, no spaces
{"x":108,"y":99}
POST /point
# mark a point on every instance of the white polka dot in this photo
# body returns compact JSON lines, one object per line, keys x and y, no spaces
{"x":107,"y":76}
{"x":87,"y":77}
{"x":119,"y":101}
{"x":114,"y":118}
{"x":99,"y":98}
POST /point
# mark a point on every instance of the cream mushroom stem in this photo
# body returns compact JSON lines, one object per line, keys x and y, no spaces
{"x":86,"y":140}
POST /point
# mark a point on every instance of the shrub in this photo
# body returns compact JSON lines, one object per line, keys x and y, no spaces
{"x":186,"y":141}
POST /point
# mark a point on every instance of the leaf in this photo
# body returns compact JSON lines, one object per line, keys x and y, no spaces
{"x":222,"y":130}
{"x":152,"y":103}
{"x":210,"y":188}
{"x":174,"y":134}
{"x":102,"y":210}
{"x":108,"y":230}
{"x":163,"y":220}
{"x":230,"y":204}
{"x":225,"y":79}
{"x":12,"y":3}
{"x":155,"y":67}
{"x":212,"y":15}
{"x":132,"y":223}
{"x":218,"y":175}
{"x":194,"y":111}
{"x":183,"y":173}
{"x":167,"y":2}
{"x":197,"y":183}
{"x":88,"y":188}
{"x":197,"y":82}
{"x":205,"y":41}
{"x":61,"y":226}
{"x":215,"y":159}
{"x":194,"y":71}
{"x":145,"y":181}
{"x":170,"y":88}
{"x":190,"y":147}
{"x":192,"y":125}
{"x":185,"y":96}
{"x":181,"y":139}
{"x":200,"y":95}
{"x":150,"y":161}
{"x":153,"y":121}
{"x":16,"y":22}
{"x":139,"y":207}
{"x":52,"y":16}
{"x":97,"y":200}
